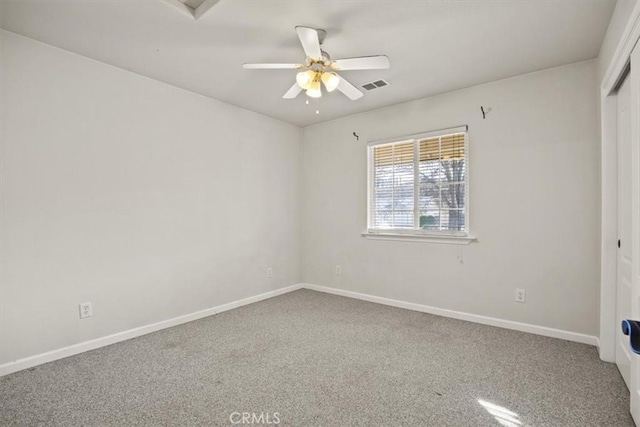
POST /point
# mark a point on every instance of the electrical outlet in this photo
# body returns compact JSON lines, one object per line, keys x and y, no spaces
{"x":86,"y":310}
{"x":520,"y":295}
{"x":338,"y":270}
{"x":269,"y":272}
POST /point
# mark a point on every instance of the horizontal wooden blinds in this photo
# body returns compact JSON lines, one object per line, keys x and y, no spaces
{"x":394,"y":186}
{"x":448,"y":147}
{"x":393,"y":154}
{"x":419,"y":183}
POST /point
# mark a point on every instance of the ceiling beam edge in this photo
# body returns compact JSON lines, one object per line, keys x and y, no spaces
{"x":204,"y":8}
{"x":181,"y":7}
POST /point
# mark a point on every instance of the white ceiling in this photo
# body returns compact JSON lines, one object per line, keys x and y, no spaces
{"x":434,"y":46}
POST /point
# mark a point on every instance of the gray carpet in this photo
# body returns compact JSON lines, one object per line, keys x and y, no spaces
{"x":322,"y":360}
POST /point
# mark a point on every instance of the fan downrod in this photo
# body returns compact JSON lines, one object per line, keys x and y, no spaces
{"x":321,"y":35}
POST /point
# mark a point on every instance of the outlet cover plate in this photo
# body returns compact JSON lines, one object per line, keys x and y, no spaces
{"x":86,"y":310}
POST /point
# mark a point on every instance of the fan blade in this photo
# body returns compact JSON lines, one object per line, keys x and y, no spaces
{"x":292,"y":92}
{"x":272,"y":66}
{"x":310,"y":42}
{"x":379,"y":62}
{"x":348,"y":89}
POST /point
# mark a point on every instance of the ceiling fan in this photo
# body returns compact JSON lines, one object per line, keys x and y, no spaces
{"x":319,"y":69}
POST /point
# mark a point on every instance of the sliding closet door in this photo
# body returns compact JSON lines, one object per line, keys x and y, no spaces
{"x":634,"y":375}
{"x":625,"y":263}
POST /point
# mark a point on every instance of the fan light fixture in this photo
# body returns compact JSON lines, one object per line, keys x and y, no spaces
{"x":314,"y":90}
{"x":310,"y":81}
{"x":305,"y":78}
{"x":331,"y":81}
{"x":318,"y":68}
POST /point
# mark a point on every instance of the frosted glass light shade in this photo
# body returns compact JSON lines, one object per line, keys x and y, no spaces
{"x":331,"y":81}
{"x":305,"y":78}
{"x":314,"y":90}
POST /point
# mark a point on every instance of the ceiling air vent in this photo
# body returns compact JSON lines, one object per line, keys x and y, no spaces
{"x":375,"y":85}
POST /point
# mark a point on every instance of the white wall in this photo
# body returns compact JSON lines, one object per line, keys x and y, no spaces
{"x":147,"y":200}
{"x":534,"y":203}
{"x":153,"y":202}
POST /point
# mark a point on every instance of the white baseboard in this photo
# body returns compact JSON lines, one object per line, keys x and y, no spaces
{"x":71,"y":350}
{"x":39,"y":359}
{"x":492,"y":321}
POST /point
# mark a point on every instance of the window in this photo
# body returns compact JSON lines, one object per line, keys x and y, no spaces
{"x":418,"y":184}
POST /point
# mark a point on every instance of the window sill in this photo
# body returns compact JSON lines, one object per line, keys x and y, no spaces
{"x":417,"y":237}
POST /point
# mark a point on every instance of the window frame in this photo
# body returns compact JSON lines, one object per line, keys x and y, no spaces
{"x":416,"y":233}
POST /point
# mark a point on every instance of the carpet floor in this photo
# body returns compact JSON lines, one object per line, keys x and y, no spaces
{"x":313,"y":359}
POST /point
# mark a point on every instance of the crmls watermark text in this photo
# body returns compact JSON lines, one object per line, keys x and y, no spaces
{"x":254,"y":418}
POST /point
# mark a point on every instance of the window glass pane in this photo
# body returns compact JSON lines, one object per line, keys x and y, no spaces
{"x":453,"y":171}
{"x":429,"y":172}
{"x":403,"y":219}
{"x":403,"y":198}
{"x":440,"y":187}
{"x":383,"y":177}
{"x":452,"y":220}
{"x":430,"y":220}
{"x":442,"y":183}
{"x":383,"y":202}
{"x":429,"y":197}
{"x":393,"y":179}
{"x":452,"y":196}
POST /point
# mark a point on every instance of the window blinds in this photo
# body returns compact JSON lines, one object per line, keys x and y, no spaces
{"x":394,"y":185}
{"x":420,"y":184}
{"x":442,"y":187}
